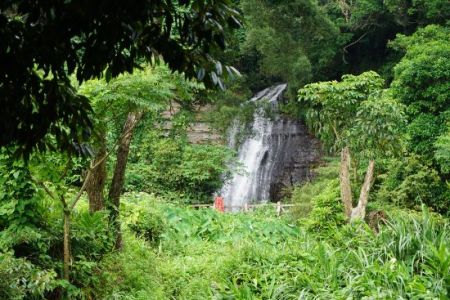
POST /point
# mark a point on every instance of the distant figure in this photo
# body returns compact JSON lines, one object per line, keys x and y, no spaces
{"x":218,"y":203}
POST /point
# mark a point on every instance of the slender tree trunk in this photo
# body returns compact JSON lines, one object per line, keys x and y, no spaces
{"x":66,"y":245}
{"x":119,"y":172}
{"x":97,"y":180}
{"x":359,"y":212}
{"x":346,"y":191}
{"x":67,"y":210}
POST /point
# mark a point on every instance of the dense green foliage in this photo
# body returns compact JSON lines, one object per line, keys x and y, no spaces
{"x":31,"y":233}
{"x":366,"y":76}
{"x":202,"y":255}
{"x":182,"y":172}
{"x":410,"y":182}
{"x":44,"y":43}
{"x":303,"y":41}
{"x":421,"y":77}
{"x":442,"y":152}
{"x":421,"y":82}
{"x":294,"y":55}
{"x":355,"y":112}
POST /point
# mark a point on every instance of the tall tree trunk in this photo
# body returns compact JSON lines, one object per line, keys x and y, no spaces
{"x":359,"y":212}
{"x":96,"y":185}
{"x":66,"y":245}
{"x":346,"y":191}
{"x":119,"y":172}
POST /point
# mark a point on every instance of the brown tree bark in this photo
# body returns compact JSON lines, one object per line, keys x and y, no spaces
{"x":346,"y":191}
{"x":96,"y":185}
{"x":359,"y":212}
{"x":66,"y":245}
{"x":119,"y":172}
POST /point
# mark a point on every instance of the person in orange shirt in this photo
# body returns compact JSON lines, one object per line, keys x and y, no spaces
{"x":218,"y":203}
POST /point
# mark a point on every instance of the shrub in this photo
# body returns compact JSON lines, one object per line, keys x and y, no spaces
{"x":422,"y":132}
{"x":91,"y":234}
{"x":185,"y":172}
{"x":142,"y":217}
{"x":20,"y":279}
{"x":410,"y":182}
{"x":327,"y":212}
{"x":148,"y":224}
{"x":442,"y":152}
{"x":421,"y":77}
{"x":303,"y":194}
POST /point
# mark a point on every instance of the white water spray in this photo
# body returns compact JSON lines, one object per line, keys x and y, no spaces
{"x":257,"y":154}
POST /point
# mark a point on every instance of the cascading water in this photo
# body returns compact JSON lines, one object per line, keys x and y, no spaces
{"x":278,"y":152}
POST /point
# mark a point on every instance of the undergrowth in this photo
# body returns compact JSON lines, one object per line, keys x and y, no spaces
{"x":303,"y":194}
{"x":202,"y":254}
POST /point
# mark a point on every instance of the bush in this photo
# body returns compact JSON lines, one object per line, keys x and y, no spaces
{"x":184,"y":172}
{"x":422,"y":132}
{"x":303,"y":194}
{"x":421,"y":77}
{"x":442,"y":152}
{"x":328,"y":211}
{"x":91,"y":234}
{"x":410,"y":182}
{"x":143,"y":217}
{"x":22,"y":280}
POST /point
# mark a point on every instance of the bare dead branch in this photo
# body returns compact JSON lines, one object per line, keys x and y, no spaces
{"x":344,"y":50}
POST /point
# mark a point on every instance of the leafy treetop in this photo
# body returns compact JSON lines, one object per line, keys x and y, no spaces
{"x":44,"y":42}
{"x":354,"y":112}
{"x":422,"y":80}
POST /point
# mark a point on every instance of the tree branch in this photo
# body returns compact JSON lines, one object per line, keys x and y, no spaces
{"x":46,"y":189}
{"x":344,"y":50}
{"x":80,"y":192}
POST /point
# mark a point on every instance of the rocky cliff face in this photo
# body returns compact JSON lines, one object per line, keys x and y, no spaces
{"x":199,"y":131}
{"x":277,"y":153}
{"x":299,"y":152}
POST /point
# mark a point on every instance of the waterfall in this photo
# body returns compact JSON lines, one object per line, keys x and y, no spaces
{"x":276,"y":154}
{"x":255,"y":155}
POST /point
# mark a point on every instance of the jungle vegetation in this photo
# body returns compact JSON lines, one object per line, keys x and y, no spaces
{"x":97,"y":172}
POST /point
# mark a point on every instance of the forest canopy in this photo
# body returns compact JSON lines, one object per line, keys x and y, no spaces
{"x":44,"y":43}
